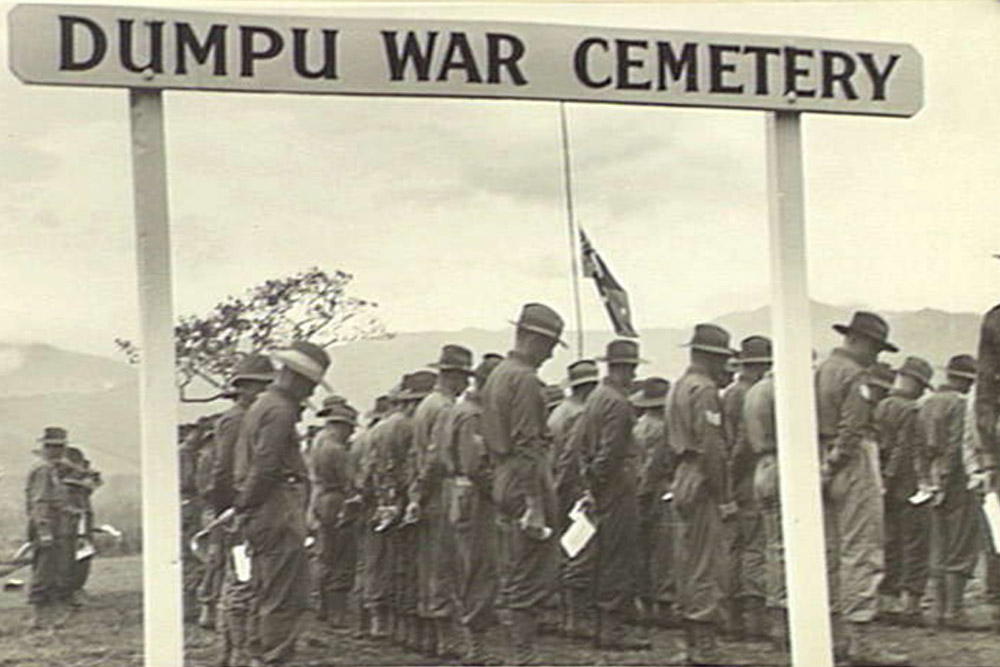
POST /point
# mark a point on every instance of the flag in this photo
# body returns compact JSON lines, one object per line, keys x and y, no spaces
{"x":613,"y":295}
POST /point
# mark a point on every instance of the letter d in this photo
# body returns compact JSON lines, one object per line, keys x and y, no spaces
{"x":67,"y":24}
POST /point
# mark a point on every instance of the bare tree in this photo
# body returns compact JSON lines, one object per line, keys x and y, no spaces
{"x":312,"y":305}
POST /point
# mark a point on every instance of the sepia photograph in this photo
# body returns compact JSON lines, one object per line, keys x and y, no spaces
{"x":461,"y":333}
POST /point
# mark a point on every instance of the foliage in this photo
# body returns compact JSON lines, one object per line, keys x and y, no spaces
{"x":312,"y":305}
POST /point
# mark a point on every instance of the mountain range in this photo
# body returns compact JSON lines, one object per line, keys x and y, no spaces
{"x":96,"y":398}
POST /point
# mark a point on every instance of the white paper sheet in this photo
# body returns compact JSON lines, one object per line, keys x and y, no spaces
{"x":991,"y":507}
{"x":579,"y":533}
{"x":241,"y":562}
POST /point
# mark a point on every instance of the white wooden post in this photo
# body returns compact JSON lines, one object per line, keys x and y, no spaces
{"x":798,"y":447}
{"x":162,"y":620}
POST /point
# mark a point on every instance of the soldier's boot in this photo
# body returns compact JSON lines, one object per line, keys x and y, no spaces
{"x":411,"y":638}
{"x":888,"y":608}
{"x":939,"y":606}
{"x":865,"y":648}
{"x":911,"y":613}
{"x":577,"y":626}
{"x":428,"y":637}
{"x":841,"y":641}
{"x":61,"y":613}
{"x":364,"y":622}
{"x":955,"y":617}
{"x":444,"y":632}
{"x":523,"y":628}
{"x":756,"y":619}
{"x":206,"y":616}
{"x":779,"y":633}
{"x":323,"y":610}
{"x":617,"y":635}
{"x":705,"y":640}
{"x":687,"y":648}
{"x":41,"y":617}
{"x":336,"y":604}
{"x":380,"y":627}
{"x":735,"y":629}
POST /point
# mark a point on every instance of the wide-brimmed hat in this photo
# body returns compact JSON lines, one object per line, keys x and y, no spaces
{"x":486,"y":365}
{"x":710,"y":338}
{"x":622,"y":351}
{"x":253,"y":367}
{"x":882,"y":375}
{"x":870,"y":325}
{"x":541,"y":319}
{"x":454,"y":358}
{"x":963,"y":366}
{"x":653,"y":393}
{"x":582,"y":371}
{"x":417,"y":385}
{"x":553,"y":394}
{"x":339,"y":412}
{"x":755,"y":350}
{"x":306,"y":359}
{"x":328,"y":404}
{"x":918,"y":369}
{"x":54,"y":436}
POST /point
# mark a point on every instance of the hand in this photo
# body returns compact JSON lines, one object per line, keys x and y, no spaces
{"x":412,"y":514}
{"x":532,"y":522}
{"x":45,"y":539}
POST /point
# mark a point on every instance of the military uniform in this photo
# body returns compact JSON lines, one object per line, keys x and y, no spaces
{"x":214,"y":563}
{"x":191,"y":517}
{"x":270,"y":478}
{"x":655,"y":481}
{"x":52,"y":532}
{"x":80,"y":483}
{"x":649,"y":434}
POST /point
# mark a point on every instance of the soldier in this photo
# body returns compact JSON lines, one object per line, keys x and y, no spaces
{"x":472,"y":515}
{"x":854,"y":514}
{"x":906,"y":524}
{"x":51,"y":531}
{"x":81,"y":482}
{"x":270,"y":476}
{"x":213,"y":558}
{"x":746,"y":538}
{"x":239,"y":642}
{"x":576,"y":574}
{"x":701,"y":489}
{"x":609,"y":461}
{"x":191,"y":513}
{"x":334,"y":508}
{"x":649,"y":434}
{"x":517,"y":439}
{"x":955,"y":535}
{"x":428,"y":499}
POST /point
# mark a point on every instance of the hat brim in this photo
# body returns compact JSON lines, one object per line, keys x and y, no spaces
{"x":845,"y":329}
{"x":340,"y":420}
{"x":47,"y":442}
{"x":962,"y":374}
{"x":302,"y":365}
{"x":468,"y":370}
{"x":910,"y":374}
{"x":579,"y":381}
{"x":712,"y":349}
{"x":756,"y":360}
{"x":540,"y":330}
{"x":252,"y":377}
{"x":635,"y":361}
{"x":883,"y":384}
{"x":650,"y":402}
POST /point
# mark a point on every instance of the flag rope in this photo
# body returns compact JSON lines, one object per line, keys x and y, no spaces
{"x":571,"y":222}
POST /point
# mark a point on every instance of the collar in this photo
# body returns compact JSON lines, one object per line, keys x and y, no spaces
{"x":608,"y":381}
{"x":514,"y":355}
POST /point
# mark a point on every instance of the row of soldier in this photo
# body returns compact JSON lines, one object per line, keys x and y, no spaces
{"x":449,"y":500}
{"x":60,"y":520}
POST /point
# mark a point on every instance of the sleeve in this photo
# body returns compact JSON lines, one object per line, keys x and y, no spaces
{"x":227,"y":430}
{"x":855,"y":415}
{"x":276,"y":431}
{"x":987,"y":389}
{"x":731,"y":417}
{"x":707,"y":423}
{"x":529,"y":433}
{"x":41,"y":497}
{"x":613,"y":432}
{"x":658,"y":466}
{"x":432,"y":468}
{"x":471,"y":451}
{"x":912,"y":434}
{"x":955,"y":430}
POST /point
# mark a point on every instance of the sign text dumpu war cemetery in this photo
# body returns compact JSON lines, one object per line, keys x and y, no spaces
{"x":141,"y":47}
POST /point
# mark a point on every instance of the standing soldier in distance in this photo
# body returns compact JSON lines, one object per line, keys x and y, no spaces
{"x":334,"y":507}
{"x":251,"y":377}
{"x":849,"y":462}
{"x":428,"y":498}
{"x":906,"y":524}
{"x":610,"y":474}
{"x":746,"y":546}
{"x":270,"y":478}
{"x":517,"y":438}
{"x":81,"y":482}
{"x":472,"y":515}
{"x":650,"y":436}
{"x":51,"y":530}
{"x":955,"y":534}
{"x":701,"y":489}
{"x":576,"y":579}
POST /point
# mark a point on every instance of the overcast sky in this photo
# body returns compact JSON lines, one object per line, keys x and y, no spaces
{"x":450,"y":213}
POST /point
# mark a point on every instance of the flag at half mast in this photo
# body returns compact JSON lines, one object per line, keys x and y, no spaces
{"x":613,"y":295}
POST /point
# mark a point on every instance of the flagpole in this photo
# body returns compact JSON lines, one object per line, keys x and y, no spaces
{"x":574,"y":242}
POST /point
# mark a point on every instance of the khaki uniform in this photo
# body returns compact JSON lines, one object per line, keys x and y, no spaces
{"x":80,"y":484}
{"x":655,"y":480}
{"x":694,"y":424}
{"x":51,"y":530}
{"x":854,"y":514}
{"x":610,"y":465}
{"x":213,"y":567}
{"x":191,"y":517}
{"x":649,"y":434}
{"x":332,"y":485}
{"x":576,"y":574}
{"x":270,"y":478}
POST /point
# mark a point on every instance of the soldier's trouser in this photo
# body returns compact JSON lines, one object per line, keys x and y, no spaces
{"x":775,"y":594}
{"x":276,"y":531}
{"x":50,"y":571}
{"x":906,"y":547}
{"x":236,"y":605}
{"x":476,"y":550}
{"x":338,"y":554}
{"x":378,"y":579}
{"x":618,"y":558}
{"x":435,"y":561}
{"x":191,"y":567}
{"x":662,"y":567}
{"x":956,"y":537}
{"x":213,"y":568}
{"x":700,"y":558}
{"x":853,"y":519}
{"x":751,"y":569}
{"x":578,"y":573}
{"x":528,"y":567}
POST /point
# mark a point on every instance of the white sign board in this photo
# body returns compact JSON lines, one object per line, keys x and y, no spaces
{"x":161,"y":48}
